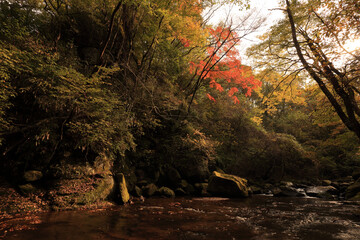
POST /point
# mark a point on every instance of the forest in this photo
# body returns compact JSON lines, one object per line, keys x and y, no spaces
{"x":151,"y":93}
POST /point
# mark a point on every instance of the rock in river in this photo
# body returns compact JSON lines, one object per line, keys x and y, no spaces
{"x":321,"y":191}
{"x":227,"y":185}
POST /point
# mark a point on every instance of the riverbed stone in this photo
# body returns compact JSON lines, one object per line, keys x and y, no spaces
{"x":137,"y":192}
{"x":227,"y":185}
{"x":27,"y":188}
{"x":255,"y":189}
{"x":149,"y":190}
{"x":286,"y":191}
{"x":32,"y":175}
{"x":201,"y":189}
{"x":326,"y":182}
{"x":180,"y":192}
{"x":167,"y":192}
{"x":321,"y":191}
{"x":353,"y":190}
{"x":173,"y":177}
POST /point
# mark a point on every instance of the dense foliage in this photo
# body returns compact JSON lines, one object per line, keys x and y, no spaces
{"x":150,"y":84}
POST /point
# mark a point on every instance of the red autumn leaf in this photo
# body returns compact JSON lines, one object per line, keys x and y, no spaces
{"x":210,"y":97}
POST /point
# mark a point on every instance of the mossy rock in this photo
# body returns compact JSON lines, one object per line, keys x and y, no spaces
{"x":190,"y":189}
{"x":137,"y":192}
{"x":326,"y":182}
{"x":227,"y":185}
{"x":71,"y":171}
{"x":180,"y":192}
{"x":356,"y":198}
{"x":32,"y":175}
{"x":256,"y":190}
{"x":27,"y":188}
{"x":167,"y":192}
{"x":183,"y":184}
{"x":352,"y":190}
{"x":149,"y":190}
{"x":102,"y":191}
{"x":201,"y":189}
{"x":123,"y":194}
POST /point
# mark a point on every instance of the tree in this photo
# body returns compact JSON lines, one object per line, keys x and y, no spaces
{"x":312,"y":38}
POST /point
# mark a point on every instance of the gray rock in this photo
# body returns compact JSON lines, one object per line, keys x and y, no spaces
{"x":321,"y":191}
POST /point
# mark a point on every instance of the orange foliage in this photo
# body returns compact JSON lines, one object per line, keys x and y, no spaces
{"x":222,"y":68}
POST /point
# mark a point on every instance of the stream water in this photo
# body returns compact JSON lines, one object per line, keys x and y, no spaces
{"x":255,"y":218}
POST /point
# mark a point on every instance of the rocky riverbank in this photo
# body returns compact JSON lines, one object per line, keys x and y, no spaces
{"x":86,"y":187}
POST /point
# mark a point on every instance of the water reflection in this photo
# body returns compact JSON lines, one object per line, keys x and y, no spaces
{"x":259,"y":217}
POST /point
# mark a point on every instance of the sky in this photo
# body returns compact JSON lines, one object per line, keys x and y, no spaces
{"x":267,"y":9}
{"x":262,"y":8}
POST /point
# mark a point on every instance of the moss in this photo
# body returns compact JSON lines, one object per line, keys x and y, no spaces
{"x":101,"y":192}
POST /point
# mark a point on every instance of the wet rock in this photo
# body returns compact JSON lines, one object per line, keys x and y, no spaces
{"x":286,"y":184}
{"x":355,"y":198}
{"x":322,"y":191}
{"x":27,"y":188}
{"x":137,"y":192}
{"x":256,"y":190}
{"x":149,"y":190}
{"x":326,"y":182}
{"x":285,"y":191}
{"x":356,"y":174}
{"x":227,"y":185}
{"x":183,"y":184}
{"x":201,"y":189}
{"x":142,"y":183}
{"x":173,"y":177}
{"x":189,"y":189}
{"x":123,"y":194}
{"x":180,"y":192}
{"x":353,"y":190}
{"x":32,"y":175}
{"x":167,"y":192}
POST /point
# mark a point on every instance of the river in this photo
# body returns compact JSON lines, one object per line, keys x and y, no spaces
{"x":255,"y":218}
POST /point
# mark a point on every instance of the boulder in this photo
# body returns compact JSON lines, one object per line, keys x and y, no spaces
{"x":227,"y":185}
{"x":27,"y":188}
{"x":32,"y":175}
{"x":189,"y":189}
{"x":137,"y":192}
{"x":167,"y":192}
{"x":326,"y":182}
{"x":286,"y":191}
{"x":173,"y":176}
{"x":149,"y":190}
{"x":201,"y":189}
{"x":103,"y":190}
{"x":256,"y":190}
{"x":356,"y":174}
{"x":123,"y":194}
{"x":321,"y":191}
{"x":352,"y":190}
{"x":180,"y":192}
